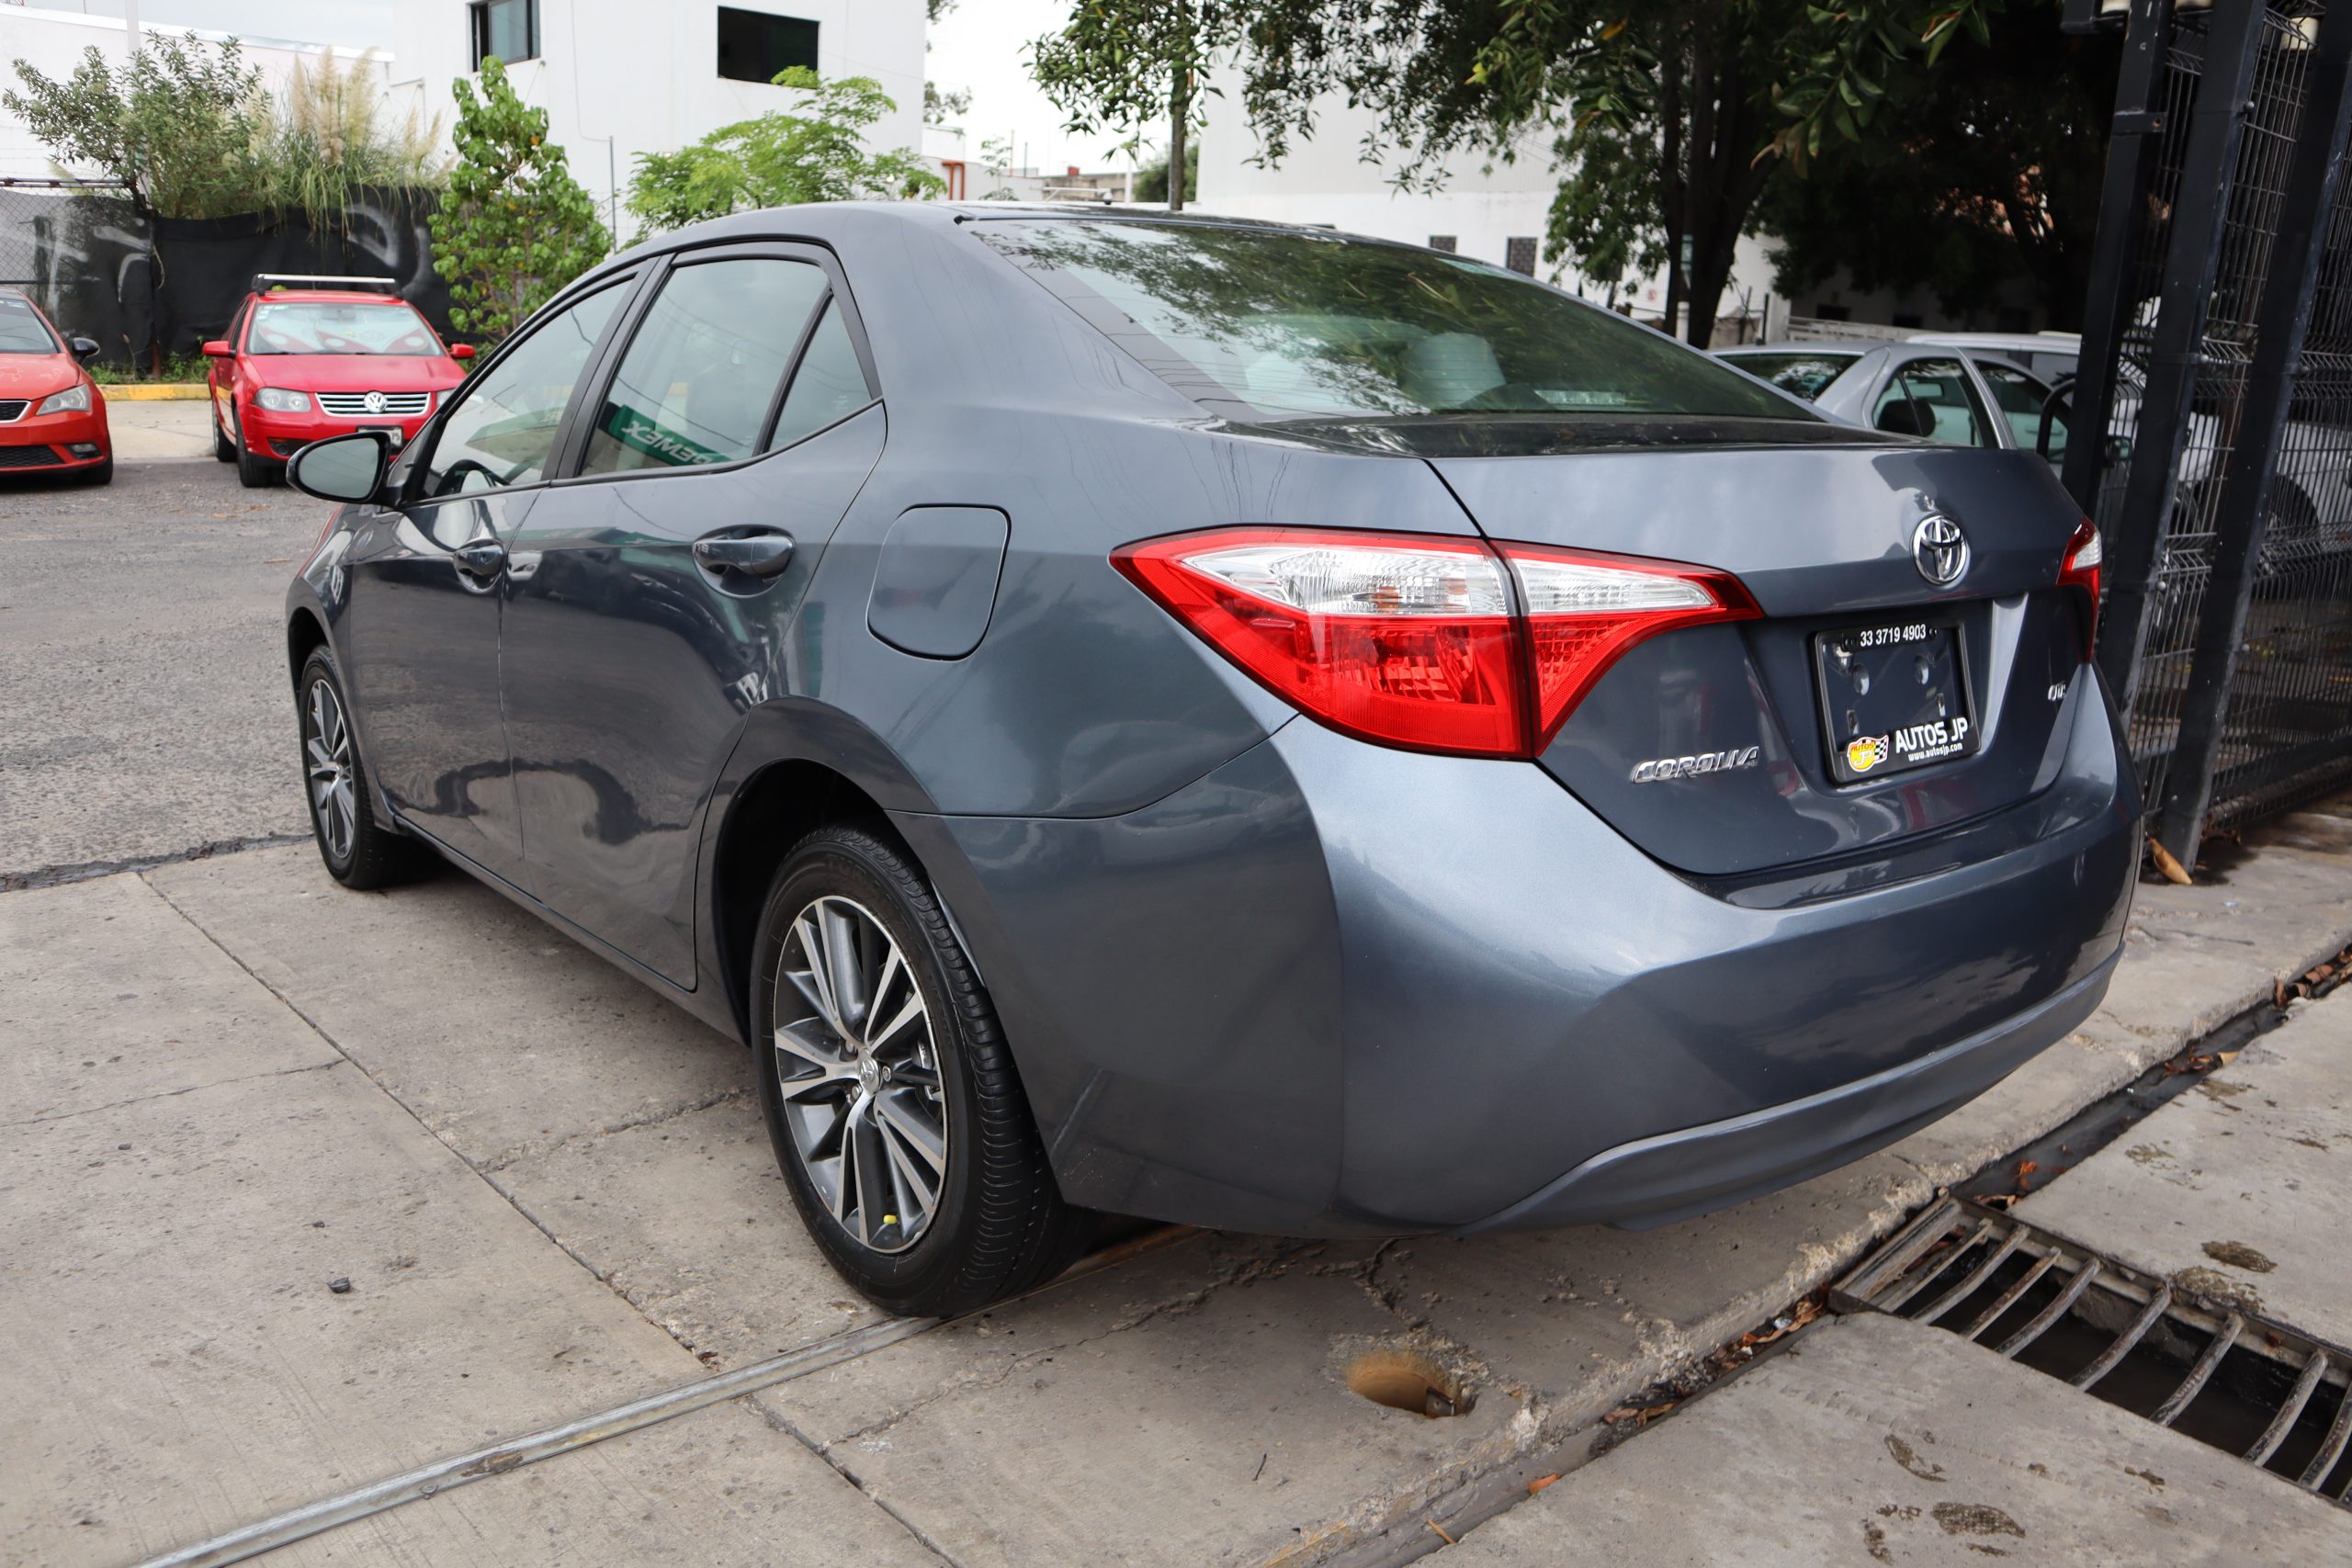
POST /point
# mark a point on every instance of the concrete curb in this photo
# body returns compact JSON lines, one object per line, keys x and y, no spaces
{"x":153,"y":391}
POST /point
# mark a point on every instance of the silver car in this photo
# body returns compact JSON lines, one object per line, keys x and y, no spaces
{"x":1939,"y":392}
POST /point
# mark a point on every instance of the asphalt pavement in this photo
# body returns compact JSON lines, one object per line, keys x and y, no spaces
{"x":304,"y":1191}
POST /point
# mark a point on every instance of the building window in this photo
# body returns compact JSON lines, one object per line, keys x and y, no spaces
{"x":505,"y":31}
{"x":1446,"y":243}
{"x":1518,"y":254}
{"x":1825,"y":312}
{"x":757,"y":47}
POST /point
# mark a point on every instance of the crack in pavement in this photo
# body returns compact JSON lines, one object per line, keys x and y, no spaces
{"x":172,"y":1093}
{"x":777,"y":1422}
{"x":85,"y":871}
{"x":654,"y":1118}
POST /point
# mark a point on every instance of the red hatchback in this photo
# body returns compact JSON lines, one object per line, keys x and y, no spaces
{"x":53,"y":417}
{"x":304,"y":360}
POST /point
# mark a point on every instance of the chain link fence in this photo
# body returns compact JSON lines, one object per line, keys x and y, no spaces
{"x":83,"y":253}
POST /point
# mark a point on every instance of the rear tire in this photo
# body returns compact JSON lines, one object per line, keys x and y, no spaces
{"x":881,"y":1108}
{"x":359,"y":852}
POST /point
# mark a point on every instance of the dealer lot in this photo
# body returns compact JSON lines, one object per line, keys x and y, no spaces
{"x":230,"y":1086}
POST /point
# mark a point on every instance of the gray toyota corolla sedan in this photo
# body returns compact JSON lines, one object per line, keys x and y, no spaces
{"x":1225,"y":723}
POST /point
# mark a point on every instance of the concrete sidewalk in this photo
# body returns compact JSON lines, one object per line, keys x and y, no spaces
{"x":549,"y":1193}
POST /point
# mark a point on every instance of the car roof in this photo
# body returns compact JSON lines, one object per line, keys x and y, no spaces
{"x":2018,"y":342}
{"x":1798,"y":346}
{"x":329,"y":296}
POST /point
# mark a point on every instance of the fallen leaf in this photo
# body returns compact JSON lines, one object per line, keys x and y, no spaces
{"x":1441,"y":1532}
{"x":1540,"y":1481}
{"x":2174,"y":871}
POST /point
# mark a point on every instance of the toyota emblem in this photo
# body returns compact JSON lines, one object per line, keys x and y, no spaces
{"x":374,"y":402}
{"x":1939,"y":549}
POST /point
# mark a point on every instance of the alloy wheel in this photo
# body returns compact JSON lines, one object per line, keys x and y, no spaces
{"x":858,"y":1065}
{"x":326,"y":748}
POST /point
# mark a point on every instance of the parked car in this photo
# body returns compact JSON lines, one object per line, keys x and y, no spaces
{"x":1225,"y":723}
{"x":1942,"y":394}
{"x":2051,"y":356}
{"x":303,"y":359}
{"x":53,"y":416}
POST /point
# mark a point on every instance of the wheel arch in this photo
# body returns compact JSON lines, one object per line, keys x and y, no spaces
{"x":304,"y":632}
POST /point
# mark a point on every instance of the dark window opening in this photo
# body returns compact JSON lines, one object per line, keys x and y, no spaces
{"x":1827,"y":313}
{"x":504,"y":31}
{"x":1449,"y":243}
{"x":757,"y":47}
{"x":1909,"y":320}
{"x":1519,"y":254}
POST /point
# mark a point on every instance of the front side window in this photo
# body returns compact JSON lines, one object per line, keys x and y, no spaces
{"x":504,"y":31}
{"x":1271,"y":325}
{"x":755,"y":46}
{"x":502,"y":431}
{"x":1932,"y":397}
{"x":2020,"y":398}
{"x":1801,"y":375}
{"x":326,"y":327}
{"x":21,"y":328}
{"x":702,"y":372}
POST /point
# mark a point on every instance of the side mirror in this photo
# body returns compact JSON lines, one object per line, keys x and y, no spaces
{"x":461,"y":351}
{"x":342,"y":467}
{"x":219,"y":348}
{"x":2057,"y":424}
{"x":85,"y":348}
{"x":2118,"y":449}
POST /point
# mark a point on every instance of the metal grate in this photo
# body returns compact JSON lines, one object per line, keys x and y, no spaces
{"x":29,"y":458}
{"x":2203,"y":1364}
{"x":355,"y":405}
{"x":13,"y":409}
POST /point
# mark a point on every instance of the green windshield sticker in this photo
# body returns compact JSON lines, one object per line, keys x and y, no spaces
{"x":648,"y":436}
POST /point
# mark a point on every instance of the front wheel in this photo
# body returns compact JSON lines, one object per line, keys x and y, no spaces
{"x":255,"y":472}
{"x":890,"y":1098}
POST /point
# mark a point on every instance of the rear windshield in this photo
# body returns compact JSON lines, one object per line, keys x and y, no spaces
{"x":22,"y":330}
{"x":1270,"y":325}
{"x":319,"y":326}
{"x":1799,"y":375}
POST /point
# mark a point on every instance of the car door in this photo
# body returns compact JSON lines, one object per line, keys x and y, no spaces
{"x":421,"y":628}
{"x":2021,"y":398}
{"x":735,"y":426}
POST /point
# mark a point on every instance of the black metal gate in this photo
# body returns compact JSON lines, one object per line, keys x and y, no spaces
{"x":2216,"y":362}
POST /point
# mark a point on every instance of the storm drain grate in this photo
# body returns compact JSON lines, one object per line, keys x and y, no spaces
{"x":2183,"y":1352}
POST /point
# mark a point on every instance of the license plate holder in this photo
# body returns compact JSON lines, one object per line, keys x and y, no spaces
{"x":1895,"y":696}
{"x":393,"y":432}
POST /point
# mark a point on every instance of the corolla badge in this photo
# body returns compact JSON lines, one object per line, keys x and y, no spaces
{"x":1939,"y":549}
{"x":1659,"y":768}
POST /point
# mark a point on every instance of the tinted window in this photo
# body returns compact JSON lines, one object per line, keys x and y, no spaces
{"x":755,"y":47}
{"x":22,"y":330}
{"x":702,"y":369}
{"x":1932,"y":397}
{"x":828,"y":384}
{"x":1803,"y":376}
{"x":508,"y":29}
{"x":2021,"y":399}
{"x":502,"y":430}
{"x":326,"y":327}
{"x":1265,"y":324}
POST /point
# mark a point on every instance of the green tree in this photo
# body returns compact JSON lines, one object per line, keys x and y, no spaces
{"x":1993,"y":165}
{"x":1123,"y":65}
{"x":182,"y":124}
{"x":780,"y":158}
{"x":1665,"y":118}
{"x":514,"y":226}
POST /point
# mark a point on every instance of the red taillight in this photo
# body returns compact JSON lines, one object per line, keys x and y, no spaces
{"x":2079,"y":569}
{"x":1421,"y":640}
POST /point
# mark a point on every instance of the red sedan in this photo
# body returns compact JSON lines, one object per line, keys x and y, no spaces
{"x":302,"y":361}
{"x":53,"y":417}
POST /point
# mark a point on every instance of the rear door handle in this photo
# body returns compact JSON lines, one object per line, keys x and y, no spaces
{"x":762,"y":555}
{"x":483,"y":558}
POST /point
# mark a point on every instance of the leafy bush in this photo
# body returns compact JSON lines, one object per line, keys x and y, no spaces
{"x":189,"y":130}
{"x":780,"y":158}
{"x":514,"y":226}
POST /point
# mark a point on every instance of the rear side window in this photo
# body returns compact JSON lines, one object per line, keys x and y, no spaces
{"x":702,"y":371}
{"x":829,"y":383}
{"x":1269,"y":325}
{"x":1932,"y":397}
{"x":2019,"y":396}
{"x":504,"y":430}
{"x":1805,"y":376}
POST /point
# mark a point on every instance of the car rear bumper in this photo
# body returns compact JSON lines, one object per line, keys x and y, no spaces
{"x":1655,"y":1181}
{"x":1334,"y":989}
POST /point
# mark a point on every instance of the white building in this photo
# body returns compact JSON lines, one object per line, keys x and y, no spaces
{"x":623,"y":77}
